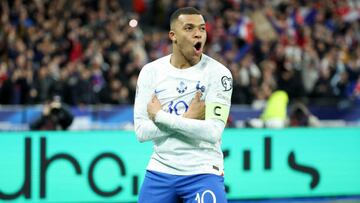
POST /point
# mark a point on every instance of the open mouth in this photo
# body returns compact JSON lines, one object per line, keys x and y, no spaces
{"x":197,"y":46}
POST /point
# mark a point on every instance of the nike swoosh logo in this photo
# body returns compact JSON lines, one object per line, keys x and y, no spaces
{"x":158,"y":91}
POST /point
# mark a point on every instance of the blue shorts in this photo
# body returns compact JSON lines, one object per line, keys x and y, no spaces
{"x":165,"y":188}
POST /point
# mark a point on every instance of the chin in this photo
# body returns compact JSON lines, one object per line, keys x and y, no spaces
{"x":195,"y":59}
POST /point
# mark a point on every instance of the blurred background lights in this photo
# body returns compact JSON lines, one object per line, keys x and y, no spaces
{"x":133,"y":23}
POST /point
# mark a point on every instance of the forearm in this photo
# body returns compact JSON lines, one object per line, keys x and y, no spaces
{"x":205,"y":130}
{"x":146,"y":130}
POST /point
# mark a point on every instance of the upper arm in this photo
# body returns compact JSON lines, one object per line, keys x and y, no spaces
{"x":218,"y":100}
{"x":143,"y":94}
{"x":145,"y":128}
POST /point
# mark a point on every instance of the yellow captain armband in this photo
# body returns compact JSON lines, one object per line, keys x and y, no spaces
{"x":217,"y":111}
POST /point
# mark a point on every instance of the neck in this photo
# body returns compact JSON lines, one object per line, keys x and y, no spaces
{"x":178,"y":60}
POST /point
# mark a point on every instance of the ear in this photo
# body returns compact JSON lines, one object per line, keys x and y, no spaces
{"x":172,"y":36}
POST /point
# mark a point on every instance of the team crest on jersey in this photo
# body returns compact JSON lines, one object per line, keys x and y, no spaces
{"x":181,"y":87}
{"x":200,"y":87}
{"x":226,"y":83}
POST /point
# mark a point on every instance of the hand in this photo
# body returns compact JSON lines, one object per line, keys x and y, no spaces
{"x":196,"y":108}
{"x":46,"y":109}
{"x":153,"y":107}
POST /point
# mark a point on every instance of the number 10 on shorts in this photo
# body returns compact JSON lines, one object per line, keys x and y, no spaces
{"x":200,"y":198}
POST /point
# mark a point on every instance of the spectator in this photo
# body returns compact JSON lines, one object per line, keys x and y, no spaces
{"x":300,"y":116}
{"x":314,"y":46}
{"x":274,"y":115}
{"x":55,"y":116}
{"x":275,"y":112}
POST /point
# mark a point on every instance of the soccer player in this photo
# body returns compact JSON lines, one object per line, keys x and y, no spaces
{"x":182,"y":105}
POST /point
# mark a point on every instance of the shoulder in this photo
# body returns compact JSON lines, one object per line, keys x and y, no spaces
{"x":217,"y":71}
{"x":155,"y":65}
{"x":219,"y":75}
{"x":152,"y":68}
{"x":216,"y":68}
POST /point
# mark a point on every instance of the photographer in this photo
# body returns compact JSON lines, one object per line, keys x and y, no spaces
{"x":55,"y":116}
{"x":300,"y":116}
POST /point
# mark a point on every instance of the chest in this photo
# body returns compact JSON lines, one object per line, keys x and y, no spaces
{"x":175,"y":92}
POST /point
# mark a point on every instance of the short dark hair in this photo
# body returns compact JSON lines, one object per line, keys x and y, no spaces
{"x":186,"y":11}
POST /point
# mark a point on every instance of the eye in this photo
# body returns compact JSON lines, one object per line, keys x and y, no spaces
{"x":188,"y":28}
{"x":203,"y":29}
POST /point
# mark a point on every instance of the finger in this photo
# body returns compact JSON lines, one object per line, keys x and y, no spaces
{"x":156,"y":99}
{"x":198,"y":95}
{"x":153,"y":98}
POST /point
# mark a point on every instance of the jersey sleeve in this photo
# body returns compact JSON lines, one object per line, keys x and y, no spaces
{"x":145,"y":128}
{"x":218,"y":99}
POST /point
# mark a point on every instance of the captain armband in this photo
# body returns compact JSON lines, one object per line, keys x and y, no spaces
{"x":217,"y":111}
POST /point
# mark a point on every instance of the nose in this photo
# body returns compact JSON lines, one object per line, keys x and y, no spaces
{"x":198,"y":33}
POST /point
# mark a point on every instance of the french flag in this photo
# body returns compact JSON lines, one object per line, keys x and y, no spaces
{"x":298,"y":16}
{"x":296,"y":19}
{"x":244,"y":29}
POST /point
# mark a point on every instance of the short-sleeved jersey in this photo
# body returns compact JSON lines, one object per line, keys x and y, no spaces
{"x":175,"y":153}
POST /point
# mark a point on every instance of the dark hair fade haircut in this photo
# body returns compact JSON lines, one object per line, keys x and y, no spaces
{"x":184,"y":11}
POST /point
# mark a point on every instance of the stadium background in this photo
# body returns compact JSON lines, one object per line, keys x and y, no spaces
{"x":89,"y":54}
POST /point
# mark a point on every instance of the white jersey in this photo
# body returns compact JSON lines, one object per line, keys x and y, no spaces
{"x":184,"y":146}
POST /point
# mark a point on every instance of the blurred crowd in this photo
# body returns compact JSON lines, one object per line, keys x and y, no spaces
{"x":91,"y":51}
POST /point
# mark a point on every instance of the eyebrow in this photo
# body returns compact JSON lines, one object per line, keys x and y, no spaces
{"x":192,"y":24}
